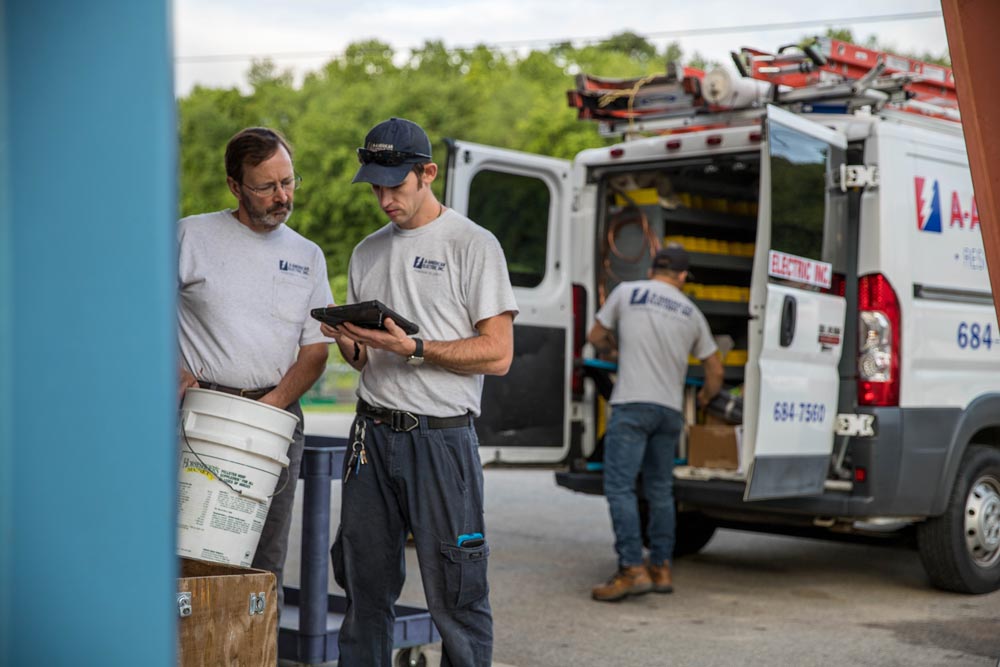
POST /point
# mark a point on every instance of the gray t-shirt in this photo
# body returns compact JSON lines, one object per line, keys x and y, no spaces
{"x":244,"y":299}
{"x":445,"y":277}
{"x":657,"y":328}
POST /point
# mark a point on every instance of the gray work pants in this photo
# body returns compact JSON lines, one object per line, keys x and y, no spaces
{"x":428,"y":482}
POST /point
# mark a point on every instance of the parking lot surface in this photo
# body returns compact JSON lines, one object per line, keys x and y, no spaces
{"x":746,"y":599}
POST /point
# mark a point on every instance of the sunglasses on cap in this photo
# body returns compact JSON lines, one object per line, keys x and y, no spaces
{"x":388,"y":158}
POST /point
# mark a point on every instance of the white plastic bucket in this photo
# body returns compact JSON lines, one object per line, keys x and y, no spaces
{"x":232,"y":451}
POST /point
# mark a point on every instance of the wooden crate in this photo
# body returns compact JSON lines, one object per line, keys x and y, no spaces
{"x":226,"y":624}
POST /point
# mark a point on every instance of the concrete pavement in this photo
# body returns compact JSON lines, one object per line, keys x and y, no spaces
{"x":747,"y":599}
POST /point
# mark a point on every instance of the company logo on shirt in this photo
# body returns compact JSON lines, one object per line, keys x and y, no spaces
{"x":929,"y":208}
{"x":425,"y":265}
{"x":288,"y":267}
{"x":643,"y":297}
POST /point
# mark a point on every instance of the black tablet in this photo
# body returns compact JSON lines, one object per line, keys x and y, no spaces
{"x":367,"y":314}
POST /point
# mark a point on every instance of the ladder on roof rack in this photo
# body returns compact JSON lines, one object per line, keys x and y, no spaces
{"x":830,"y":74}
{"x":835,"y":60}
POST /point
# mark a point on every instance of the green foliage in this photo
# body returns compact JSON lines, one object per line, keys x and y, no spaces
{"x":630,"y":44}
{"x":483,"y":95}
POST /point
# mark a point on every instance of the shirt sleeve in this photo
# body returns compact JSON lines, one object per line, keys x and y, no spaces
{"x":487,"y":283}
{"x":608,"y":313}
{"x":704,"y":345}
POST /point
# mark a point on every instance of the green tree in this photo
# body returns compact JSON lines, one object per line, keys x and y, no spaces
{"x":630,"y":44}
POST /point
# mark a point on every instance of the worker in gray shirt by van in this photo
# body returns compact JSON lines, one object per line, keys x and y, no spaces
{"x":414,"y":462}
{"x":654,"y":328}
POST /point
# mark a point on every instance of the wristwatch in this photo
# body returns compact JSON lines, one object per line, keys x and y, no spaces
{"x":417,"y":357}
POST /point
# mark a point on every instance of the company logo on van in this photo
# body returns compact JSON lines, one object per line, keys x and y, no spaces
{"x":929,"y":208}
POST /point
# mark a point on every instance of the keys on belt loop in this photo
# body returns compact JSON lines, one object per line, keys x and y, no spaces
{"x":358,"y":455}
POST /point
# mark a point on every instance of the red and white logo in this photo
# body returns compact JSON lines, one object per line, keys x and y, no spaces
{"x":928,"y":200}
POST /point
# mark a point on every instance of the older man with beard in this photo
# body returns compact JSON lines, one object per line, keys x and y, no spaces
{"x":247,"y":283}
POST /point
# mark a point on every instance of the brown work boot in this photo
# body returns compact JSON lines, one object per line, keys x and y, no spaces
{"x":632,"y":580}
{"x":663,"y":581}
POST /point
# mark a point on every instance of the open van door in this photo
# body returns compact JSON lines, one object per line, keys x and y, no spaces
{"x":524,"y":200}
{"x":797,"y":317}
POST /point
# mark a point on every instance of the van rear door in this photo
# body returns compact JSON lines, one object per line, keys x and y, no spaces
{"x":524,"y":199}
{"x":797,"y":324}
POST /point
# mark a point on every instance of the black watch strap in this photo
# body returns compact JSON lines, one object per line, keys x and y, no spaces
{"x":417,"y":357}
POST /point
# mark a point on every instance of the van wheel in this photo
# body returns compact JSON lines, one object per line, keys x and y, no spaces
{"x":692,"y":530}
{"x":411,"y":657}
{"x":961,"y":548}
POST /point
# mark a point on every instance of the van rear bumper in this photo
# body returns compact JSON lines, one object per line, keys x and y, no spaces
{"x":728,"y":495}
{"x":581,"y":482}
{"x":904,"y":466}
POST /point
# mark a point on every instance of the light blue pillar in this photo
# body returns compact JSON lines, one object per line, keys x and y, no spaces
{"x":6,"y":357}
{"x":87,"y":327}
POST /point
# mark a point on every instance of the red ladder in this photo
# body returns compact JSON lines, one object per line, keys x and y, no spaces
{"x":797,"y":68}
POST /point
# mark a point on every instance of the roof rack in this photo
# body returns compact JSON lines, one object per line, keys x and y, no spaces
{"x":828,"y":75}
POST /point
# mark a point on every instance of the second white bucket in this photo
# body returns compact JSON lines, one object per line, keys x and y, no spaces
{"x":232,"y":452}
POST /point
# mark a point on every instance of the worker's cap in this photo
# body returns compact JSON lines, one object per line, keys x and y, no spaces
{"x":673,"y":257}
{"x":391,"y":149}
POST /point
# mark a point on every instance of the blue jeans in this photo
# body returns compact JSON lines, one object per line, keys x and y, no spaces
{"x":428,"y":482}
{"x":641,"y":438}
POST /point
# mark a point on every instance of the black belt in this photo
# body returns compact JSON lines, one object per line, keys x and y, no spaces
{"x":400,"y":420}
{"x":252,"y":394}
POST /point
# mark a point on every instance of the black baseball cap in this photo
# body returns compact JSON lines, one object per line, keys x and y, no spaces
{"x":674,"y":258}
{"x":391,"y":149}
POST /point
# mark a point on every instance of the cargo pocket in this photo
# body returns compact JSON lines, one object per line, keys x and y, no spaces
{"x":465,"y":574}
{"x":337,"y":559}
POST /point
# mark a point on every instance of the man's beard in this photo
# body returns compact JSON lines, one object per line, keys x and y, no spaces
{"x":270,"y":218}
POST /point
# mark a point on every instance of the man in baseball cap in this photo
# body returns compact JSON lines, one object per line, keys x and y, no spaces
{"x":391,"y":149}
{"x":655,"y":329}
{"x":416,"y":465}
{"x":672,"y":258}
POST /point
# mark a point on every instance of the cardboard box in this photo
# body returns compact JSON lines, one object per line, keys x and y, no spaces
{"x":712,"y":420}
{"x":228,"y":615}
{"x":713,"y":446}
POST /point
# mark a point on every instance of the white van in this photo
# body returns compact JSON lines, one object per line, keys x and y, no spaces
{"x":837,"y":249}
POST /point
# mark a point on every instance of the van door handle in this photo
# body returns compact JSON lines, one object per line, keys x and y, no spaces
{"x":787,"y":321}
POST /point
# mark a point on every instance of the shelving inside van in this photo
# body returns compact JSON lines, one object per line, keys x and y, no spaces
{"x":709,"y":206}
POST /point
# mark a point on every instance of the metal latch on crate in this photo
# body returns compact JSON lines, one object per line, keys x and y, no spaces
{"x":858,"y":176}
{"x":184,"y":604}
{"x":258,"y":602}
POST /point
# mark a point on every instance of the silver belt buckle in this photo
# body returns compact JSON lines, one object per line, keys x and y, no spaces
{"x":398,"y":421}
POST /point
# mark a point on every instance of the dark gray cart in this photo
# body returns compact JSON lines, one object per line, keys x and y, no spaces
{"x":310,"y":620}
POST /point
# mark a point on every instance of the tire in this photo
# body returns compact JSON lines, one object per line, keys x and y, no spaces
{"x":411,"y":657}
{"x":692,"y":531}
{"x":960,"y":549}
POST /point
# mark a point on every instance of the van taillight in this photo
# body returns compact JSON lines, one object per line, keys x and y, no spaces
{"x":579,"y":338}
{"x":878,"y":341}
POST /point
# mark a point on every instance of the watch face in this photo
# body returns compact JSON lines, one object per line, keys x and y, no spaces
{"x":414,"y":361}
